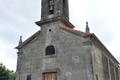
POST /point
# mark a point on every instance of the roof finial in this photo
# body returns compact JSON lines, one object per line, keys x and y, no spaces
{"x":20,"y":41}
{"x":87,"y":28}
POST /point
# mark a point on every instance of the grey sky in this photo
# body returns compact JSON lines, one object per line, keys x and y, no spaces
{"x":17,"y":18}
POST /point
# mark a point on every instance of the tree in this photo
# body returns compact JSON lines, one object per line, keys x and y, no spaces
{"x":11,"y":75}
{"x":6,"y":74}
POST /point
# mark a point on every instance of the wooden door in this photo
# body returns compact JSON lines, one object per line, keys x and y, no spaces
{"x":50,"y":76}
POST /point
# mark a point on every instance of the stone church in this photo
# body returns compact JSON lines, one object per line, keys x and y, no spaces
{"x":59,"y":52}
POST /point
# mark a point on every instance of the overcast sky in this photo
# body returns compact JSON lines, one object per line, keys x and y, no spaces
{"x":17,"y":18}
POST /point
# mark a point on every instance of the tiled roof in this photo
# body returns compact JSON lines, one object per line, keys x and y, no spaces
{"x":77,"y":32}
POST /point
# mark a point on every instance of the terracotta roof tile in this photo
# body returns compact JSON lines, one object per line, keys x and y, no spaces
{"x":83,"y":34}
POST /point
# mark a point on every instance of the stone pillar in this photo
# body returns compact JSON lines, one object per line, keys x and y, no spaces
{"x":105,"y":67}
{"x":19,"y":55}
{"x":119,"y":72}
{"x":112,"y":70}
{"x":109,"y":69}
{"x":115,"y":72}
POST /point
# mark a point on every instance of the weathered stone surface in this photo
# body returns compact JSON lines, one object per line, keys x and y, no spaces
{"x":103,"y":65}
{"x":75,"y":57}
{"x":78,"y":55}
{"x":72,"y":59}
{"x":60,"y":9}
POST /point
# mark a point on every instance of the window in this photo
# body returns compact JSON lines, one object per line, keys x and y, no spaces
{"x":96,"y":77}
{"x":51,"y":7}
{"x":64,"y":3}
{"x":64,"y":6}
{"x":50,"y":50}
{"x":28,"y":77}
{"x":50,"y":76}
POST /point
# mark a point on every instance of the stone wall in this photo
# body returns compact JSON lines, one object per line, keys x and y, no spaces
{"x":104,"y":66}
{"x":97,"y":63}
{"x":60,"y":9}
{"x":72,"y":59}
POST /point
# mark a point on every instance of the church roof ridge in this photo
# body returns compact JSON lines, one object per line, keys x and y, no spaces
{"x":94,"y":38}
{"x":71,"y":29}
{"x":78,"y":32}
{"x":27,"y":40}
{"x":66,"y":27}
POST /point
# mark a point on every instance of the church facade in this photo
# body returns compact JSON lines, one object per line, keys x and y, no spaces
{"x":59,"y":52}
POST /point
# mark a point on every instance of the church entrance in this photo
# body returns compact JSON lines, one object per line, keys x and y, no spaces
{"x":50,"y":76}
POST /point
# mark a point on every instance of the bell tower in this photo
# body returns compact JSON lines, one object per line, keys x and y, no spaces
{"x":54,"y":8}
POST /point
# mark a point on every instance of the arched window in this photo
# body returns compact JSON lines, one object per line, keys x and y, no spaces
{"x":50,"y":50}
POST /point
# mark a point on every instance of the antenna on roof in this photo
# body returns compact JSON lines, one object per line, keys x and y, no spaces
{"x":87,"y":28}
